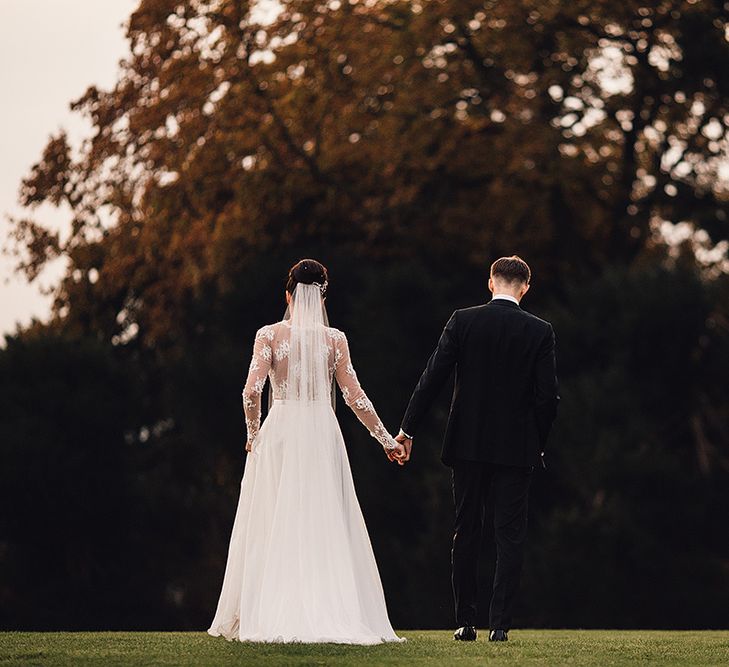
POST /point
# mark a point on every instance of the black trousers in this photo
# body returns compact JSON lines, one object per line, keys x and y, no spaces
{"x":508,"y":487}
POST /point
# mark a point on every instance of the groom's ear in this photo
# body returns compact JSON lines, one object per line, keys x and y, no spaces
{"x":491,"y":285}
{"x":525,"y":289}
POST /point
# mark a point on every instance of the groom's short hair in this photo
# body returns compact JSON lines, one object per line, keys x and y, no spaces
{"x":511,"y":269}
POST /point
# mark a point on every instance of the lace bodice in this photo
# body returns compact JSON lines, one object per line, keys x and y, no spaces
{"x":270,"y":360}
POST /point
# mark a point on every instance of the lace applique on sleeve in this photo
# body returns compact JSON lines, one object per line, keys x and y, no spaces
{"x":256,"y":381}
{"x":354,"y":395}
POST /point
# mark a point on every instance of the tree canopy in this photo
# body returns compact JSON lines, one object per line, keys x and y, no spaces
{"x":572,"y":131}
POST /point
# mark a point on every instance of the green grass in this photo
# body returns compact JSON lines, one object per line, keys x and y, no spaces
{"x":525,"y":647}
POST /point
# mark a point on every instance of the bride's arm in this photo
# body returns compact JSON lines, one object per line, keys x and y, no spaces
{"x":257,"y":373}
{"x":354,"y":395}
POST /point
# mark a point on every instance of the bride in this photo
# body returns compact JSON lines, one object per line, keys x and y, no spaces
{"x":300,"y":564}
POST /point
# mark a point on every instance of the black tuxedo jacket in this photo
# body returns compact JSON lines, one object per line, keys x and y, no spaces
{"x":505,"y":395}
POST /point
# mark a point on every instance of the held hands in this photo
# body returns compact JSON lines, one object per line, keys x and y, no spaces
{"x":401,"y":453}
{"x":396,"y":454}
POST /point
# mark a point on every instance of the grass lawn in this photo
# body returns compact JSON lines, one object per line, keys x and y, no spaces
{"x":525,"y":647}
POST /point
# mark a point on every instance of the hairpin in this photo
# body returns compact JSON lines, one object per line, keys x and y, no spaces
{"x":322,"y":286}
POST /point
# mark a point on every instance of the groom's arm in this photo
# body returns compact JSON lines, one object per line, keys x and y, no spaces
{"x":546,"y":394}
{"x":440,"y":365}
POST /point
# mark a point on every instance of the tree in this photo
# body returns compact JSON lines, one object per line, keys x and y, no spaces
{"x":225,"y":138}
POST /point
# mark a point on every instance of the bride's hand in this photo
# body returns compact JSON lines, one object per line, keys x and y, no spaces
{"x":249,"y":446}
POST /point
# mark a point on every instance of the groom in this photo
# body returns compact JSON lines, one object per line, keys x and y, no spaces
{"x":504,"y":402}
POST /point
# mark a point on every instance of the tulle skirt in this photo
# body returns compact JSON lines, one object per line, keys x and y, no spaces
{"x":300,"y":563}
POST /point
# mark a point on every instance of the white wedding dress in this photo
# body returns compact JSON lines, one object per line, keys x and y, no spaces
{"x":300,"y":564}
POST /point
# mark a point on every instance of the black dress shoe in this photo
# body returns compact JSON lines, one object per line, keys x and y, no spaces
{"x":465,"y":634}
{"x":498,"y":636}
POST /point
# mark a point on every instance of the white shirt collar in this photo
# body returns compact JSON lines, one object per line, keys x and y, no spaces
{"x":508,"y":297}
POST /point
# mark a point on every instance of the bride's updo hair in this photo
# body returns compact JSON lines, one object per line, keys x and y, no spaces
{"x":308,"y":271}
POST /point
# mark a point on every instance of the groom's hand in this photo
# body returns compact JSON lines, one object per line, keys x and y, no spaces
{"x":407,"y":444}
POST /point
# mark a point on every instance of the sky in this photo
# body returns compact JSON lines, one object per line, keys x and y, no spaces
{"x":51,"y":51}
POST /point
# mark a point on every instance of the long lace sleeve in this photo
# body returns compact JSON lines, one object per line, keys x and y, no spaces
{"x":256,"y":381}
{"x":354,"y":395}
